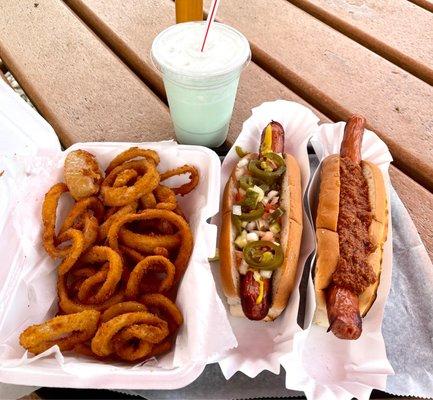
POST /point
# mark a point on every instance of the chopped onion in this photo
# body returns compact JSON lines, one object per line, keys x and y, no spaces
{"x":238,"y":173}
{"x":243,"y":162}
{"x":259,"y":191}
{"x":243,"y":267}
{"x":269,"y":236}
{"x":252,"y":237}
{"x":266,"y":273}
{"x":256,"y":276}
{"x":237,"y":210}
{"x":275,"y":200}
{"x":251,"y":226}
{"x":272,"y":193}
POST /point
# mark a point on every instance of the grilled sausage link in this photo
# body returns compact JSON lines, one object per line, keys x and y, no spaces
{"x":249,"y":292}
{"x":343,"y":313}
{"x":352,"y":140}
{"x":249,"y":287}
{"x":343,"y":305}
{"x":277,"y":137}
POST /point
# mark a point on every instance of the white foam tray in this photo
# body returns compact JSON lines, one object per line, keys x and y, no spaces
{"x":28,"y":293}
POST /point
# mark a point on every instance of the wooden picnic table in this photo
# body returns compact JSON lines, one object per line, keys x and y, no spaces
{"x":85,"y":65}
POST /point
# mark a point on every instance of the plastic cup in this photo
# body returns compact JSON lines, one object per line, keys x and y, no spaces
{"x":201,"y":86}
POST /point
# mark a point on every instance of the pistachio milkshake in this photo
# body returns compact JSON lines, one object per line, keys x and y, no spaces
{"x":201,"y":86}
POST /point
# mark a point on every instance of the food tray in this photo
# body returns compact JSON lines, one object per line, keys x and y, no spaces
{"x":28,"y":294}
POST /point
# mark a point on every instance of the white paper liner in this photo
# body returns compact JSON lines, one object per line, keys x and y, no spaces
{"x":261,"y":344}
{"x":29,"y":293}
{"x":321,"y":364}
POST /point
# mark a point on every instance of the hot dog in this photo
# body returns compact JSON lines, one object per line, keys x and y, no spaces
{"x":351,"y":228}
{"x":261,"y":229}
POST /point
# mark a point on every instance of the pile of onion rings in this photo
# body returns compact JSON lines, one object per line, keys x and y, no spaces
{"x":122,"y":252}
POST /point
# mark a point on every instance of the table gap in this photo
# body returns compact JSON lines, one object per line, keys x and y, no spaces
{"x":3,"y":67}
{"x":426,"y":4}
{"x":396,"y":57}
{"x":326,"y":105}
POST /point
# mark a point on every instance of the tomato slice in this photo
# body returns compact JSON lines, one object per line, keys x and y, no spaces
{"x":239,"y":198}
{"x":270,"y":208}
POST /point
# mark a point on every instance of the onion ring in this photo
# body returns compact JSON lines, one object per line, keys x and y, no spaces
{"x":87,"y":286}
{"x":157,"y":263}
{"x":102,"y":342}
{"x":186,"y":187}
{"x":80,"y":208}
{"x":90,"y":230}
{"x":124,"y":177}
{"x":75,"y":250}
{"x":132,"y":254}
{"x":111,"y":277}
{"x":130,"y":154}
{"x":128,"y":209}
{"x":76,"y":277}
{"x":130,"y":347}
{"x":148,"y":201}
{"x":69,"y":306}
{"x":88,"y":225}
{"x":49,"y":212}
{"x":160,"y":348}
{"x":161,"y":251}
{"x":185,"y":234}
{"x":65,"y":331}
{"x":166,"y":198}
{"x":147,"y":242}
{"x":120,"y":196}
{"x":122,"y":308}
{"x":164,"y":307}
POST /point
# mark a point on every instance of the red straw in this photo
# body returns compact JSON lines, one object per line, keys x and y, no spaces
{"x":210,"y":18}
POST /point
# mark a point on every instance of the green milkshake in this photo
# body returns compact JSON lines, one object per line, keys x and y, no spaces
{"x":201,"y":86}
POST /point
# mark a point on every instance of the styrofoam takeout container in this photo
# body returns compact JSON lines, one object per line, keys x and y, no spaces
{"x":28,"y":275}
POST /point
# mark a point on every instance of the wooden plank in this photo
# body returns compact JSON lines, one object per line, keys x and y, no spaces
{"x":132,"y":35}
{"x":426,"y":4}
{"x":129,"y":28}
{"x":340,"y":77}
{"x":419,"y":203}
{"x":399,"y":30}
{"x":77,"y":84}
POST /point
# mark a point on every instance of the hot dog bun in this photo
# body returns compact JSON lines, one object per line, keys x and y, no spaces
{"x":327,"y":236}
{"x":291,"y":231}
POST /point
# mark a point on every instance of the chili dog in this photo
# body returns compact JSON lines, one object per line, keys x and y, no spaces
{"x":261,"y":229}
{"x":351,"y":228}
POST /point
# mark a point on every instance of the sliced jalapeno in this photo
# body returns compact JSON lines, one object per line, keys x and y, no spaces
{"x":240,"y":151}
{"x":247,"y":181}
{"x":253,"y":215}
{"x":237,"y":223}
{"x":269,"y":177}
{"x":263,"y":254}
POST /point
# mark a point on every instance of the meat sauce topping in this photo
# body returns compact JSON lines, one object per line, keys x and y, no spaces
{"x":354,"y":219}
